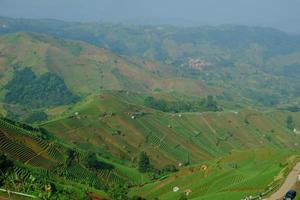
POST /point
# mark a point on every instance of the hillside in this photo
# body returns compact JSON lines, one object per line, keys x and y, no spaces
{"x":109,"y":111}
{"x":247,"y":65}
{"x":36,"y":163}
{"x":33,"y":65}
{"x":84,"y":68}
{"x":232,"y":144}
{"x":96,"y":145}
{"x":108,"y":122}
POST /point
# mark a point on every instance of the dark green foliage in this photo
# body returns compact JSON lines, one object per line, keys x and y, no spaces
{"x":290,"y":122}
{"x":37,"y":117}
{"x":208,"y":104}
{"x":20,"y":124}
{"x":45,"y":134}
{"x":211,"y":104}
{"x":48,"y":90}
{"x":137,"y":198}
{"x":163,"y":172}
{"x":159,"y":104}
{"x":170,"y":168}
{"x":72,"y":155}
{"x":41,"y":132}
{"x":94,"y":163}
{"x":118,"y":193}
{"x":5,"y":165}
{"x":144,"y":163}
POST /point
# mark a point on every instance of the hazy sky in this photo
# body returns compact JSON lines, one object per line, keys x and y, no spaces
{"x":283,"y":14}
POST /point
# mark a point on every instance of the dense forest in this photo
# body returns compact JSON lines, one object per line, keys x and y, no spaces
{"x":36,"y":92}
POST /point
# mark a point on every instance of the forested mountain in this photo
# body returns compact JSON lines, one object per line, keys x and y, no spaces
{"x":252,"y":65}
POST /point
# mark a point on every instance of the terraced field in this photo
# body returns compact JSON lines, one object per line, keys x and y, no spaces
{"x":28,"y":148}
{"x":230,"y":154}
{"x":48,"y":158}
{"x":117,"y":125}
{"x":240,"y":174}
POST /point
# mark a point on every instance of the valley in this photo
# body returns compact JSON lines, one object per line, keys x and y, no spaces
{"x":105,"y":111}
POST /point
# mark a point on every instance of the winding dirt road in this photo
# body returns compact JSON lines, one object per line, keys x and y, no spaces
{"x":290,"y":181}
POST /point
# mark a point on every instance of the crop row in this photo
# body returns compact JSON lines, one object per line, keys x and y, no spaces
{"x":21,"y":152}
{"x":78,"y":173}
{"x":14,"y":129}
{"x":111,"y":177}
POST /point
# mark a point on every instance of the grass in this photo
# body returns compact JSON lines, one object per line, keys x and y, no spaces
{"x":255,"y":170}
{"x":169,"y":138}
{"x":244,"y":149}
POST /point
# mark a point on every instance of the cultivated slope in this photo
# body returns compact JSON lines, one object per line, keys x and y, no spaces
{"x":84,"y":68}
{"x":107,"y":121}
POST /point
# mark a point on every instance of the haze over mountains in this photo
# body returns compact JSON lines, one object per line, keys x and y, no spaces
{"x":95,"y":110}
{"x":268,"y":13}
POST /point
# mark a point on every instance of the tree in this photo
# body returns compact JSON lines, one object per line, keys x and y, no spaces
{"x":290,"y":122}
{"x":118,"y":193}
{"x":5,"y":165}
{"x":94,"y":163}
{"x":144,"y":163}
{"x":211,"y":104}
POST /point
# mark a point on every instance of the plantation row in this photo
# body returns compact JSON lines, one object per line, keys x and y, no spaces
{"x":156,"y":142}
{"x":13,"y":129}
{"x":22,"y":152}
{"x":50,"y":149}
{"x":80,"y":174}
{"x":21,"y":173}
{"x":111,"y":177}
{"x":15,"y":149}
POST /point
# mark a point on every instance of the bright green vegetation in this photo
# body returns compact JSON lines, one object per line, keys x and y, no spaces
{"x":42,"y":163}
{"x":235,"y":176}
{"x":132,"y":111}
{"x":107,"y":122}
{"x":93,"y":148}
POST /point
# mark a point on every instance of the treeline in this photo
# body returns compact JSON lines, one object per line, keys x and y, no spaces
{"x":37,"y":92}
{"x":145,"y":166}
{"x":206,"y":104}
{"x":42,"y":132}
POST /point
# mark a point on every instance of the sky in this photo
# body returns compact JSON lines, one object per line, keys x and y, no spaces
{"x":280,"y":14}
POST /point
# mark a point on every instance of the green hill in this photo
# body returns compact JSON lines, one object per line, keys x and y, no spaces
{"x":230,"y":153}
{"x":38,"y":71}
{"x":121,"y":111}
{"x":32,"y":159}
{"x":84,"y":68}
{"x":112,"y":122}
{"x":247,"y":65}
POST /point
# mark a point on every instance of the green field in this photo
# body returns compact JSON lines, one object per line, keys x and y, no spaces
{"x":97,"y":111}
{"x":106,"y":122}
{"x":240,"y":174}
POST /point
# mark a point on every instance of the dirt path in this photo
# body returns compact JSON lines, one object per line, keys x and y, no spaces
{"x":290,"y":181}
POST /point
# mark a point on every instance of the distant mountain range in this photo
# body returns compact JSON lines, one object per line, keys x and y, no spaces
{"x":252,"y":65}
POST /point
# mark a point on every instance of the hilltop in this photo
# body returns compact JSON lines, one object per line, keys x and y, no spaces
{"x":34,"y":64}
{"x":246,"y":65}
